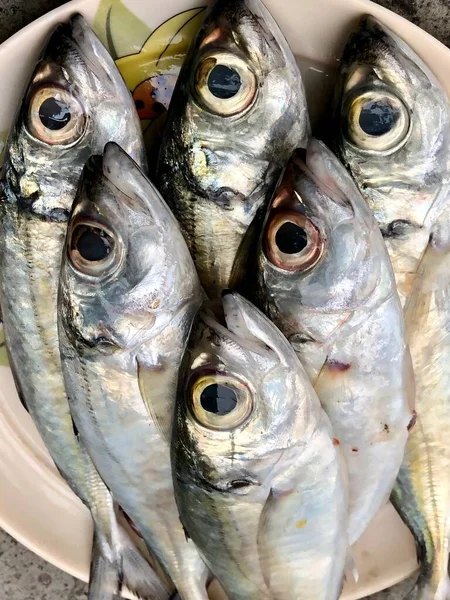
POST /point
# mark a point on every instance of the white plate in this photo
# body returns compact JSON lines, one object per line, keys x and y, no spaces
{"x":36,"y":506}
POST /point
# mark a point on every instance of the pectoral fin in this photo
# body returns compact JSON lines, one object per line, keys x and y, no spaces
{"x":154,"y":383}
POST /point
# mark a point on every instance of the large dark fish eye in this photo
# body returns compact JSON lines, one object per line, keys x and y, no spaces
{"x":225,"y":84}
{"x":92,"y":243}
{"x":292,"y":242}
{"x":378,"y":117}
{"x":220,"y":401}
{"x":55,"y":116}
{"x":90,"y":248}
{"x":290,"y":238}
{"x":376,"y":120}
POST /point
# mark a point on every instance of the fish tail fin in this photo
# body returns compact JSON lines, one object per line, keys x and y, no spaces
{"x":138,"y":576}
{"x":105,"y":579}
{"x":444,"y":588}
{"x":112,"y":569}
{"x":426,"y":589}
{"x":433,"y":582}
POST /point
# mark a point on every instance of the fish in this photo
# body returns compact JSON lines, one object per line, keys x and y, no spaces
{"x":237,"y":112}
{"x":128,"y":295}
{"x":400,"y":162}
{"x":75,"y":102}
{"x":325,"y":279}
{"x":391,"y":128}
{"x":260,"y":486}
{"x":422,"y":493}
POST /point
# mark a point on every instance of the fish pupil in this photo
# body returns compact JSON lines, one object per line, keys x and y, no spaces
{"x":93,"y":245}
{"x":224,"y":82}
{"x":290,"y":238}
{"x":54,"y":114}
{"x":378,"y":117}
{"x":218,"y":399}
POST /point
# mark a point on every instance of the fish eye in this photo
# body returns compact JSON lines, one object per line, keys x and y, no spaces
{"x":55,"y":116}
{"x":292,"y":242}
{"x":224,"y":84}
{"x":91,"y":248}
{"x":219,"y":401}
{"x":376,"y":120}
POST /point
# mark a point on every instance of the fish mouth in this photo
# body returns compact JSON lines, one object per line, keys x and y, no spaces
{"x":368,"y":30}
{"x":313,"y":164}
{"x":95,"y":56}
{"x":369,"y":34}
{"x":116,"y":169}
{"x":225,"y":317}
{"x":103,"y":165}
{"x":91,"y":57}
{"x":123,"y":174}
{"x":77,"y":34}
{"x":371,"y":26}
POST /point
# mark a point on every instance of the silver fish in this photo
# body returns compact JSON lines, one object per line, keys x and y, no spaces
{"x":76,"y":101}
{"x":326,"y":280}
{"x":393,"y":132}
{"x":259,"y":484}
{"x":422,"y":492}
{"x":128,"y":294}
{"x":237,"y":113}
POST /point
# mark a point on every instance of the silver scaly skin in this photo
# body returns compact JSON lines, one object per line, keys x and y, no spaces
{"x":76,"y":101}
{"x":128,"y":295}
{"x":260,"y":485}
{"x":237,"y":113}
{"x":403,"y":172}
{"x":326,"y":280}
{"x":422,"y":493}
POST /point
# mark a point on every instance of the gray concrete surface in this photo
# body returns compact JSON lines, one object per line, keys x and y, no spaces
{"x":23,"y":575}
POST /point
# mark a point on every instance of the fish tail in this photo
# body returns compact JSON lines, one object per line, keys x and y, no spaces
{"x":105,"y":579}
{"x":112,"y":569}
{"x":429,"y":587}
{"x":138,"y":576}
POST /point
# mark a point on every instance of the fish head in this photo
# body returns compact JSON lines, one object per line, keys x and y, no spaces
{"x":243,"y":400}
{"x":75,"y":103}
{"x":237,"y":113}
{"x":321,"y":253}
{"x":126,"y":272}
{"x":392,"y":128}
{"x":241,"y":103}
